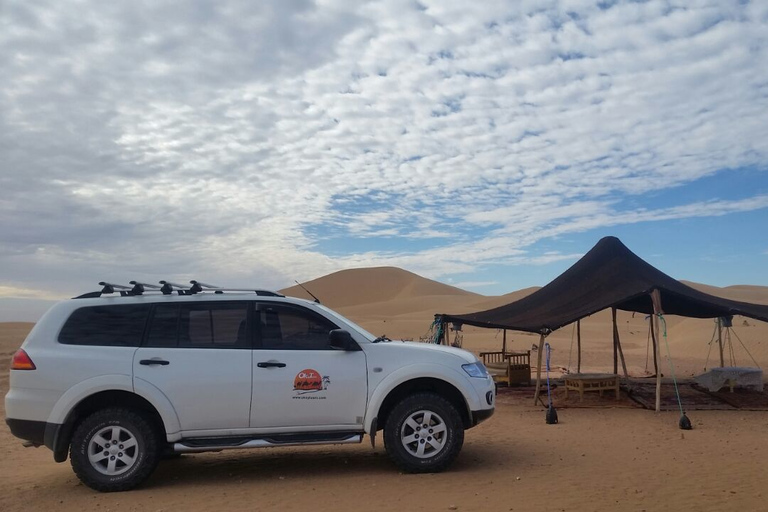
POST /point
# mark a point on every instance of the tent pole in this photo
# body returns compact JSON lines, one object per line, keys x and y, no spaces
{"x":538,"y":369}
{"x":617,"y":342}
{"x":658,"y":372}
{"x":578,"y":345}
{"x":447,"y":335}
{"x":653,"y":339}
{"x":656,"y":299}
{"x":720,"y":341}
{"x":504,"y":343}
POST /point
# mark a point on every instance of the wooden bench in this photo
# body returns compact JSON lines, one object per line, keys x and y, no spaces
{"x":508,"y":367}
{"x":584,"y":382}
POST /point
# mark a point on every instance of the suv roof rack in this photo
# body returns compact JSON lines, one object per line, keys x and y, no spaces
{"x":197,"y":287}
{"x":169,"y":288}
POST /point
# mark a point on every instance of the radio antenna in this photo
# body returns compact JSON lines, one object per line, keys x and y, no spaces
{"x":309,"y":292}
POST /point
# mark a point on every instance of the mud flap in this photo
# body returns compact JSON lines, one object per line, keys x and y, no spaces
{"x":373,"y":433}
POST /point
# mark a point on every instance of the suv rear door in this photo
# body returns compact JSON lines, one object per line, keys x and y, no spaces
{"x":198,"y":356}
{"x":298,"y":379}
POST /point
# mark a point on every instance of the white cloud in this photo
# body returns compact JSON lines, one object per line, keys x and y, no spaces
{"x":230,"y":139}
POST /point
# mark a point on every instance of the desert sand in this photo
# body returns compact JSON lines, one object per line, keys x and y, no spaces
{"x":609,"y":456}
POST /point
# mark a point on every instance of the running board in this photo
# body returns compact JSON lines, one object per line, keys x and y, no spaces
{"x":216,"y":444}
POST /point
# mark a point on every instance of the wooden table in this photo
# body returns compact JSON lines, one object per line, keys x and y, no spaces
{"x":583,"y":382}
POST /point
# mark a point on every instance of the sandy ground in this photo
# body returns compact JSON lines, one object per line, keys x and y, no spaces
{"x":613,"y":457}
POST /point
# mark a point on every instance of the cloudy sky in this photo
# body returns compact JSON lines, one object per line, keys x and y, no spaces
{"x":485,"y":144}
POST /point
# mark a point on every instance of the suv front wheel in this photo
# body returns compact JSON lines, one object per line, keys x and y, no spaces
{"x":423,"y":433}
{"x":114,"y":449}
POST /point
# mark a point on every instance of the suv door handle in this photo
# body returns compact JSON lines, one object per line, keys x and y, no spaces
{"x":270,"y":364}
{"x":149,"y":362}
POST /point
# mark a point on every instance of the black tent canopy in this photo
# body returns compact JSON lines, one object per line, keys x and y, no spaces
{"x":608,"y":276}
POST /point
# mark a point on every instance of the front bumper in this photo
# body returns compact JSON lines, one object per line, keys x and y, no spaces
{"x":485,"y":403}
{"x":482,"y":415}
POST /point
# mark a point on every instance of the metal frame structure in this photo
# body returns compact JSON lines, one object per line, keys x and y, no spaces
{"x":169,"y":288}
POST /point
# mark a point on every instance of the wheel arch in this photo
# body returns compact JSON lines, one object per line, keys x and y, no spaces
{"x":420,"y":385}
{"x":58,"y":436}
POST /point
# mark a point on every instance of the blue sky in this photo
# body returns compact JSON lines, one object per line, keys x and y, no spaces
{"x":483,"y":144}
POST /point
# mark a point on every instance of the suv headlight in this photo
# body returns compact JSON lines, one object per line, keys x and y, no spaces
{"x":476,"y":370}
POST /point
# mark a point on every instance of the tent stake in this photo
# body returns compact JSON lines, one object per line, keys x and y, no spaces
{"x":578,"y":345}
{"x":617,"y":342}
{"x":540,"y":350}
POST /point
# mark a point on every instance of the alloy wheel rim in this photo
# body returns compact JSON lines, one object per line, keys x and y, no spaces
{"x":113,"y":450}
{"x":423,"y":434}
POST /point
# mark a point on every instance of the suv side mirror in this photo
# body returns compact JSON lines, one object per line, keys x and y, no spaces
{"x":339,"y":339}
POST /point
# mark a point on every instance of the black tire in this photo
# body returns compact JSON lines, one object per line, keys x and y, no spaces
{"x":145,"y":452}
{"x":394,"y":434}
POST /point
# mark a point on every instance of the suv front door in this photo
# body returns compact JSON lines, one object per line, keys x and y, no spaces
{"x":298,"y":379}
{"x":198,"y":356}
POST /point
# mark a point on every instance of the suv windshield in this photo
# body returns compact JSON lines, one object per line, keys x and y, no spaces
{"x":366,"y":334}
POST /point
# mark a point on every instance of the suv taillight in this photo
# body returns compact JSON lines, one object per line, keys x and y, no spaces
{"x":21,"y":361}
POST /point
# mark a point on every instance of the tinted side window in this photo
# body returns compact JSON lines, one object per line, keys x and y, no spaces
{"x":118,"y":326}
{"x":163,"y":327}
{"x":214,"y":325}
{"x":210,"y":325}
{"x":292,"y":328}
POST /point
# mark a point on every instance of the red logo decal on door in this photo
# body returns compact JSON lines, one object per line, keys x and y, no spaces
{"x":310,"y":380}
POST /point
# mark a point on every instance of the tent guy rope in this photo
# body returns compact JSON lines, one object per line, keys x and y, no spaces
{"x":684,"y":422}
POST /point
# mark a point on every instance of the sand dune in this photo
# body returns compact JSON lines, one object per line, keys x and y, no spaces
{"x":743,"y":292}
{"x":500,"y":300}
{"x":373,"y":285}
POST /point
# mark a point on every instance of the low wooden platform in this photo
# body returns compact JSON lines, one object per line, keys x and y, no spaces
{"x":586,"y":382}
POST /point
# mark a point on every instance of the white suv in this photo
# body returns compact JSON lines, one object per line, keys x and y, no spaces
{"x":120,"y":379}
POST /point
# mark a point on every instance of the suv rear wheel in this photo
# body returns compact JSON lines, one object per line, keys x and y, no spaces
{"x":114,"y":449}
{"x":423,"y":433}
